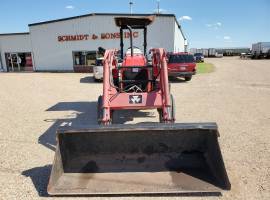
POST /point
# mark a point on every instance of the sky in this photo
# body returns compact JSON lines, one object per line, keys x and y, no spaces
{"x":205,"y":23}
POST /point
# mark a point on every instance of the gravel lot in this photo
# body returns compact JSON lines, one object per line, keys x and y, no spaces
{"x":236,"y":96}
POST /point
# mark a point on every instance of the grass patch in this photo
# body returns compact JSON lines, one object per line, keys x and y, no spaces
{"x":204,"y":68}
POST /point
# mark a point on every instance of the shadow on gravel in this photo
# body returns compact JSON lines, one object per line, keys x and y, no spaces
{"x":123,"y":116}
{"x":85,"y":113}
{"x":88,"y":79}
{"x":40,"y":178}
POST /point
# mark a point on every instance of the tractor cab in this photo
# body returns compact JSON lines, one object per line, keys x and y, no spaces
{"x":134,"y":74}
{"x":131,"y":23}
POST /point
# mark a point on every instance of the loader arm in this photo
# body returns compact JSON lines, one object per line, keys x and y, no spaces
{"x":160,"y":63}
{"x":109,"y":64}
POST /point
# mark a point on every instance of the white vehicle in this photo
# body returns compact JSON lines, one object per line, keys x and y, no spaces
{"x":98,"y":69}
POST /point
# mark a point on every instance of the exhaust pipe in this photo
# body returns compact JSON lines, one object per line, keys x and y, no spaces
{"x":131,"y":39}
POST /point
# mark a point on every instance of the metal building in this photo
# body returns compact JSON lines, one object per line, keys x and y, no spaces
{"x":71,"y":44}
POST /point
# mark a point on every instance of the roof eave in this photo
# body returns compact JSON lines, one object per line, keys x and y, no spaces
{"x":99,"y":14}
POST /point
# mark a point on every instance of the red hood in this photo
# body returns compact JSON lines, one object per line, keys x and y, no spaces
{"x":135,"y":60}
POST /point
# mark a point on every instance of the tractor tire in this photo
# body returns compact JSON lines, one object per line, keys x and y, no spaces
{"x":172,"y":110}
{"x":188,"y":78}
{"x":160,"y":114}
{"x":99,"y":110}
{"x":100,"y":113}
{"x":112,"y":117}
{"x":173,"y":107}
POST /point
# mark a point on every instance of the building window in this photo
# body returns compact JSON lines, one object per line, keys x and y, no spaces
{"x":19,"y":61}
{"x":83,"y":61}
{"x":85,"y":58}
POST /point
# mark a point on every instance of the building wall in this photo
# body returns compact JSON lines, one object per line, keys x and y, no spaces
{"x":50,"y":54}
{"x":161,"y":33}
{"x":179,"y":40}
{"x":14,"y":43}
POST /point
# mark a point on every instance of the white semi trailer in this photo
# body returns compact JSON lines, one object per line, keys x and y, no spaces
{"x":212,"y":52}
{"x":260,"y":50}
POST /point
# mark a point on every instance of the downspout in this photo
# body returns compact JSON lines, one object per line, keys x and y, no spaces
{"x":1,"y":63}
{"x":32,"y":52}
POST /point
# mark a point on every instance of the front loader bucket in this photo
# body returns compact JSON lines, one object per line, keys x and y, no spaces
{"x":132,"y":159}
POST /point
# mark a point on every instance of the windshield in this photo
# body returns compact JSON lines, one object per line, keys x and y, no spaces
{"x":181,"y":59}
{"x":198,"y":54}
{"x":136,"y":50}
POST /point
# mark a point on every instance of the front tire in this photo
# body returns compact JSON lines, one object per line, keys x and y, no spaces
{"x":97,"y":80}
{"x":188,"y":78}
{"x":171,"y":110}
{"x":99,"y":110}
{"x":100,"y":113}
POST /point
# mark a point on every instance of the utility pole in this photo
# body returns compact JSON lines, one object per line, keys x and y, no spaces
{"x":130,"y":6}
{"x":158,"y":1}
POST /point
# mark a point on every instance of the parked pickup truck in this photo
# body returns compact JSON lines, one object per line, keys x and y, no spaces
{"x":181,"y":65}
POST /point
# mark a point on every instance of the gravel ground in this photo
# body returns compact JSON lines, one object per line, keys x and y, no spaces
{"x":236,"y":96}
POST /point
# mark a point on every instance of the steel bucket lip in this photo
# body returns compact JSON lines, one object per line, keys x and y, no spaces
{"x":211,"y":191}
{"x":138,"y":127}
{"x":176,"y":193}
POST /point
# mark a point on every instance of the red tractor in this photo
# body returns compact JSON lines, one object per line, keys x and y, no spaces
{"x":137,"y":158}
{"x":135,"y":84}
